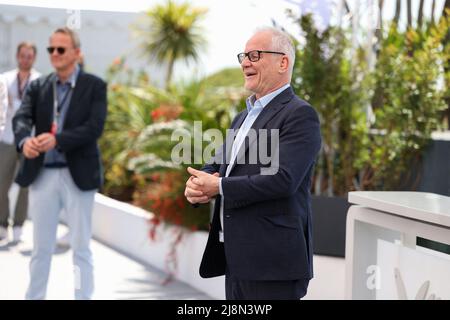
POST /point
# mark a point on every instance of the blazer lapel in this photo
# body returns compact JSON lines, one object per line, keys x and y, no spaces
{"x":229,"y":142}
{"x":240,"y":120}
{"x":46,"y":112}
{"x":266,"y":114}
{"x":80,"y":86}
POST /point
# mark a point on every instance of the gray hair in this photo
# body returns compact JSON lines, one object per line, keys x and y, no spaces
{"x":72,"y":34}
{"x":281,"y":41}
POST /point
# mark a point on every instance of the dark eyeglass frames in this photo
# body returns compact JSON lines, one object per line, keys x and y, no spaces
{"x":60,"y":50}
{"x":254,"y":55}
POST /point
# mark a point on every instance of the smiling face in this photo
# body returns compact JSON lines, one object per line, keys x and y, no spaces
{"x":268,"y":73}
{"x":67,"y":60}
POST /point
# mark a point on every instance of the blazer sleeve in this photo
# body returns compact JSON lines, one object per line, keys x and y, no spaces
{"x":213,"y":165}
{"x":90,"y":130}
{"x":25,"y":118}
{"x":299,"y":144}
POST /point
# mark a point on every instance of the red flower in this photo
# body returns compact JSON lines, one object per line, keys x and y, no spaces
{"x":156,"y":114}
{"x":117,"y":61}
{"x":152,"y":233}
{"x":155,"y":177}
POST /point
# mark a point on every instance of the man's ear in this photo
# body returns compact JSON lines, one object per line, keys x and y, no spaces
{"x":284,"y":64}
{"x":78,"y":52}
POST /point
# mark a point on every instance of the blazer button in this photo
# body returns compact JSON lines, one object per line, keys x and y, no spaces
{"x":227,"y":216}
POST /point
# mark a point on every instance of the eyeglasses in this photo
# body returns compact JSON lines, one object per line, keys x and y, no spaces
{"x":60,"y":50}
{"x":254,"y":55}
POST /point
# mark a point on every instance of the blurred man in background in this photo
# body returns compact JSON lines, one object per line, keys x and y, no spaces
{"x":67,"y":108}
{"x":17,"y":82}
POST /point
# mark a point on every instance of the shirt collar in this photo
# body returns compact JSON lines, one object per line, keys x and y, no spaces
{"x":72,"y":78}
{"x":265,"y":100}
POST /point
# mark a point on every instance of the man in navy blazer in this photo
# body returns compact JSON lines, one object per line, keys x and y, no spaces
{"x":261,"y":231}
{"x":67,"y":109}
{"x":83,"y":124}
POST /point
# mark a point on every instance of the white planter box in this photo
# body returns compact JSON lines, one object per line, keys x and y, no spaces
{"x":126,"y":228}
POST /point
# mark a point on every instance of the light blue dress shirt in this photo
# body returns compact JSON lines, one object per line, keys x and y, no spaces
{"x":254,"y":108}
{"x":62,"y":89}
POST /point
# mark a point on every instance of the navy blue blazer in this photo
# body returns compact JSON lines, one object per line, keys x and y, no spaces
{"x":83,"y":126}
{"x":267,"y":218}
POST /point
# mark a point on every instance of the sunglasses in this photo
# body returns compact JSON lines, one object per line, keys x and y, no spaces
{"x":60,"y":50}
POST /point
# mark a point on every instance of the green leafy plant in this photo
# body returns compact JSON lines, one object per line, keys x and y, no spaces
{"x":336,"y":84}
{"x":138,"y":144}
{"x":154,"y":146}
{"x":406,"y":90}
{"x":131,"y":100}
{"x":410,"y":100}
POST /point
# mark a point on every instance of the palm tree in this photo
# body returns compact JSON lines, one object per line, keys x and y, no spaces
{"x":409,"y":12}
{"x":380,"y":10}
{"x":173,"y":33}
{"x":398,"y":8}
{"x":433,"y":7}
{"x":420,"y":14}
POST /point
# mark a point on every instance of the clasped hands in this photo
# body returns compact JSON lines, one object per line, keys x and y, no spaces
{"x":34,"y":146}
{"x":201,"y":186}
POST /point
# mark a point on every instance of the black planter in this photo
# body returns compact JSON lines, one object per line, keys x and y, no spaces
{"x":329,"y":218}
